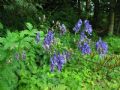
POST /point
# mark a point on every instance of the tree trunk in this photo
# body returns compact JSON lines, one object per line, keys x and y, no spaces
{"x":111,"y":25}
{"x":79,"y":8}
{"x":112,"y":17}
{"x":87,"y":8}
{"x":118,"y":28}
{"x":96,"y":13}
{"x":117,"y":17}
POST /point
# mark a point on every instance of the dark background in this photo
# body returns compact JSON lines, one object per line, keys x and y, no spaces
{"x":104,"y":15}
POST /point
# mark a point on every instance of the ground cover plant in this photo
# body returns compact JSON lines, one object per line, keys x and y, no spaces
{"x":58,"y":60}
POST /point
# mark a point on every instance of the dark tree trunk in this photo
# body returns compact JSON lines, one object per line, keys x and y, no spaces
{"x":87,"y":8}
{"x":96,"y":13}
{"x":112,"y":17}
{"x":1,"y":10}
{"x":79,"y":8}
{"x":111,"y":25}
{"x":117,"y":17}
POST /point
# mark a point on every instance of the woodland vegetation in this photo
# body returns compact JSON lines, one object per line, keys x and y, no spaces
{"x":59,"y":45}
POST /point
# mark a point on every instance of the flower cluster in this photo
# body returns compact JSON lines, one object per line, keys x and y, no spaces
{"x":23,"y":55}
{"x":77,"y":26}
{"x":85,"y":48}
{"x":88,"y":27}
{"x":48,"y":39}
{"x":17,"y":56}
{"x":83,"y":44}
{"x":37,"y":37}
{"x":83,"y":37}
{"x":63,"y":29}
{"x":66,"y":55}
{"x":57,"y":60}
{"x":101,"y":47}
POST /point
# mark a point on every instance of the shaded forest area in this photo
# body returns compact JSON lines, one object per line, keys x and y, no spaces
{"x":104,"y":14}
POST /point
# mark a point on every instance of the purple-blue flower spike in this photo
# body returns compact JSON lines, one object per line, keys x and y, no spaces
{"x":88,"y":27}
{"x":61,"y":59}
{"x":78,"y":26}
{"x":48,"y":39}
{"x":101,"y":47}
{"x":57,"y":60}
{"x":82,"y":36}
{"x":52,"y":64}
{"x":85,"y":49}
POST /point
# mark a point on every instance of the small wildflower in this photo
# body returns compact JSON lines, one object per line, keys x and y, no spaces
{"x":86,"y":48}
{"x":38,"y":37}
{"x":61,"y":59}
{"x":23,"y":55}
{"x":63,"y":29}
{"x":101,"y":47}
{"x":83,"y":37}
{"x":77,"y":26}
{"x":52,"y":67}
{"x":66,"y":55}
{"x":48,"y":39}
{"x":17,"y":56}
{"x":53,"y":62}
{"x":57,"y":60}
{"x":88,"y":27}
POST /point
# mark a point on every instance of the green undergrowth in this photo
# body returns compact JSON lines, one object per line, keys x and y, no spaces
{"x":81,"y":72}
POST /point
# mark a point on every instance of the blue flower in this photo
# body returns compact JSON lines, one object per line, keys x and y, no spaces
{"x":78,"y":26}
{"x":50,"y":35}
{"x":82,"y":36}
{"x":88,"y":27}
{"x":61,"y":59}
{"x":38,"y":37}
{"x":48,"y":39}
{"x":57,"y":60}
{"x":85,"y":48}
{"x":101,"y":47}
{"x":17,"y":56}
{"x":63,"y":29}
{"x":66,"y":55}
{"x":83,"y":39}
{"x":23,"y":55}
{"x":53,"y":61}
{"x":60,"y":62}
{"x":52,"y":67}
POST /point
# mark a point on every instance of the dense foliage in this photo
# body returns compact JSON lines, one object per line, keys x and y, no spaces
{"x":59,"y":45}
{"x":30,"y":59}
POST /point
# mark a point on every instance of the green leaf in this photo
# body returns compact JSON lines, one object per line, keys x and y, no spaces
{"x":1,"y":26}
{"x":29,"y":26}
{"x":23,"y":33}
{"x":1,"y":40}
{"x":41,"y":34}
